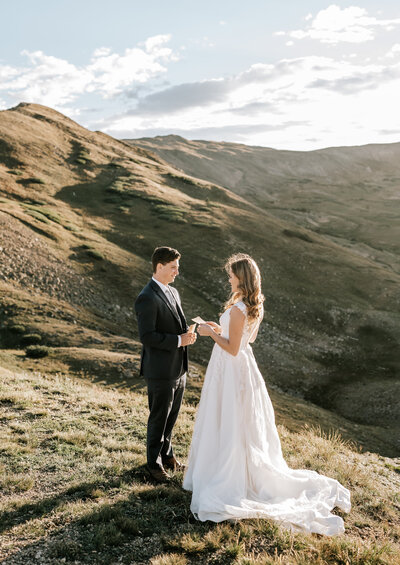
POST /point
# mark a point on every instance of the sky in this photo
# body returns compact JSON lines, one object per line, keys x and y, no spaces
{"x":287,"y":74}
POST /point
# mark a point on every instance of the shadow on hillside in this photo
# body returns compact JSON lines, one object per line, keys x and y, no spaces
{"x":147,"y":510}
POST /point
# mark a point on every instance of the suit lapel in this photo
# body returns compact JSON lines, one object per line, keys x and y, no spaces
{"x":160,"y":293}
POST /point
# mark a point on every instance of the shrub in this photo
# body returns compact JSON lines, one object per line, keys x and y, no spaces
{"x":204,"y":224}
{"x":170,"y":213}
{"x":83,"y":155}
{"x":42,"y":213}
{"x":31,"y":339}
{"x":16,"y":328}
{"x":95,"y":254}
{"x":37,"y":351}
{"x":72,"y":228}
{"x":298,"y":234}
{"x":35,"y":180}
{"x":38,"y":216}
{"x":180,"y":178}
{"x":51,"y":215}
{"x":65,"y":549}
{"x":115,"y":188}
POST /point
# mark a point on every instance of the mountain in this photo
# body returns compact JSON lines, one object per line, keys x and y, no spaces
{"x":81,"y":212}
{"x":348,"y":194}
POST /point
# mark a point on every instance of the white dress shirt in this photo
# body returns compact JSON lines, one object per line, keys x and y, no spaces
{"x":166,"y":290}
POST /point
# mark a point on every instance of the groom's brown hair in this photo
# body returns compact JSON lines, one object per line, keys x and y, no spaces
{"x":164,"y":255}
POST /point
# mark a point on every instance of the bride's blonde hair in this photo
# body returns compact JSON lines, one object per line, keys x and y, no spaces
{"x":248,"y":273}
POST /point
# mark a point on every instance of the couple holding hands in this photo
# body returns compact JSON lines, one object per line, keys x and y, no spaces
{"x":235,"y":468}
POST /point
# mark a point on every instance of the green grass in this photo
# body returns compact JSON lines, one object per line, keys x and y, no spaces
{"x":170,"y":213}
{"x":42,"y":213}
{"x":74,"y":488}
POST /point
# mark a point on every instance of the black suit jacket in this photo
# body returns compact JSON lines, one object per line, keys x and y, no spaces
{"x":159,"y":327}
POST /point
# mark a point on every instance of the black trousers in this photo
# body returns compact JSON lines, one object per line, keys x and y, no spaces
{"x":165,"y":399}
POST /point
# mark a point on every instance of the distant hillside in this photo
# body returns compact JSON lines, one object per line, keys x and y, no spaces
{"x":349,"y":194}
{"x":80,"y":213}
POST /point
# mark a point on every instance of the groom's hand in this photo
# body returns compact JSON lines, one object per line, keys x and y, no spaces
{"x":188,"y":339}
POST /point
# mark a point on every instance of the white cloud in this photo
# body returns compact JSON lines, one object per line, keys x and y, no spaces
{"x":394,"y":51}
{"x":48,"y":80}
{"x":155,"y":46}
{"x":56,"y":82}
{"x":300,"y":103}
{"x":349,"y":25}
{"x":7,"y":72}
{"x":101,"y":51}
{"x":113,"y":73}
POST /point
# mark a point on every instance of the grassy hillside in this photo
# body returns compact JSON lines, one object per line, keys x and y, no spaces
{"x":74,"y":489}
{"x":80,"y":214}
{"x":349,"y":194}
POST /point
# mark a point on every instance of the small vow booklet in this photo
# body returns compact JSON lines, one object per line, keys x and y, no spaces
{"x":198,"y":320}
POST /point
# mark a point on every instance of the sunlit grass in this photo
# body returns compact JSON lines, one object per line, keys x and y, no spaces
{"x":73,"y":483}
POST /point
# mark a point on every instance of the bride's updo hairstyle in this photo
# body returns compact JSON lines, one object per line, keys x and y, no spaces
{"x":248,"y":273}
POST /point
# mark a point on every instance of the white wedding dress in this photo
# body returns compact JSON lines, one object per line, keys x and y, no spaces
{"x":236,"y":468}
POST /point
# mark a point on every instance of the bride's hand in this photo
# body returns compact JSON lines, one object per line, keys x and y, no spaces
{"x":204,"y":329}
{"x":217,"y":328}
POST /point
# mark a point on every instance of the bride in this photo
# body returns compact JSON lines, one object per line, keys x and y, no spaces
{"x":236,"y":468}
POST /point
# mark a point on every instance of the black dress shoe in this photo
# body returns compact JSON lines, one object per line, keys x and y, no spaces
{"x":158,"y":475}
{"x":173,"y":464}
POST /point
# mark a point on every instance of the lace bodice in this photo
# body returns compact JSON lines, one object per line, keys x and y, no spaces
{"x":249,"y":326}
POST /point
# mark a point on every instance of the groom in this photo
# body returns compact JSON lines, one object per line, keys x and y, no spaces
{"x":164,"y":335}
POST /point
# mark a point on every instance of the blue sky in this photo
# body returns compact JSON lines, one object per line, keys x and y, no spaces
{"x":290,"y":74}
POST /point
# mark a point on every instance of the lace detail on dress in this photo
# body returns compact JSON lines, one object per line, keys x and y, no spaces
{"x":249,"y":327}
{"x":242,"y":307}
